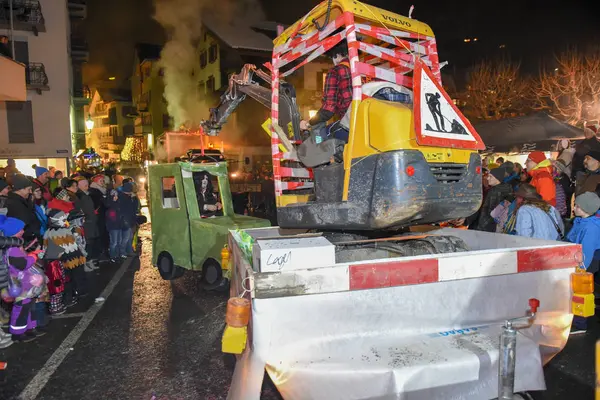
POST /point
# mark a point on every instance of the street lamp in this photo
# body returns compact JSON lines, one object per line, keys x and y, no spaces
{"x":89,"y":123}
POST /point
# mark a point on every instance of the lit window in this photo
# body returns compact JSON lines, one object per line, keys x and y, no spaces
{"x":169,"y":194}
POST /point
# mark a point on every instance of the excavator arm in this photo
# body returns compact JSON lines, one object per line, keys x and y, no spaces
{"x":243,"y":85}
{"x":240,"y":86}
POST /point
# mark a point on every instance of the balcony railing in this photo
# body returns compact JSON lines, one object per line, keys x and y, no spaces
{"x":36,"y":77}
{"x":77,"y":9}
{"x":143,"y":102}
{"x":12,"y":80}
{"x":81,"y":95}
{"x":101,"y":109}
{"x":79,"y":49}
{"x":82,"y":92}
{"x":27,"y":15}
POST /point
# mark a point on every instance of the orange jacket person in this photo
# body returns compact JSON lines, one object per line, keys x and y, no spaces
{"x":540,"y":169}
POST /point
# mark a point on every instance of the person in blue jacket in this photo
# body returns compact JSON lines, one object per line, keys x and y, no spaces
{"x":535,"y":218}
{"x":586,"y":227}
{"x":586,"y":232}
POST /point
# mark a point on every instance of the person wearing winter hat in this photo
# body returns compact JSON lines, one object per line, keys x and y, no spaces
{"x":512,"y":174}
{"x":40,"y":204}
{"x":498,"y":192}
{"x":540,"y":170}
{"x":120,"y":221}
{"x":20,"y":206}
{"x":90,"y":224}
{"x":98,"y":193}
{"x":27,"y":283}
{"x":60,"y":243}
{"x":536,"y":218}
{"x":590,"y":143}
{"x":69,"y":193}
{"x":564,"y":188}
{"x":590,"y":181}
{"x":9,"y":225}
{"x":586,"y":232}
{"x":11,"y":168}
{"x":42,"y":179}
{"x":586,"y":226}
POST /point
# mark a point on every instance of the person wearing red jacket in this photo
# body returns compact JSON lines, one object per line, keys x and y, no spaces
{"x":540,"y":169}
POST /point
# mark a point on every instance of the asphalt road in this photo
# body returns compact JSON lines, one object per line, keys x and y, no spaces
{"x":153,"y":339}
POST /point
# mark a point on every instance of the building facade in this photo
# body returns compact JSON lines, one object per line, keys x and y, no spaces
{"x":147,"y":88}
{"x":223,"y":49}
{"x":37,"y":130}
{"x":112,"y":111}
{"x":79,"y":55}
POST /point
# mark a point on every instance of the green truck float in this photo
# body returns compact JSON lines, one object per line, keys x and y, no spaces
{"x":192,"y":213}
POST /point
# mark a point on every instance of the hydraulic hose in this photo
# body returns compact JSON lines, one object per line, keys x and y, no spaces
{"x":327,"y":15}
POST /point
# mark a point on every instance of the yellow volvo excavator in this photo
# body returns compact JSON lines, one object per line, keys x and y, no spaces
{"x":410,"y":159}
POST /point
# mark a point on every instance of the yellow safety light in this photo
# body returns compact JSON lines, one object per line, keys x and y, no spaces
{"x":582,"y":284}
{"x":225,"y":257}
{"x":236,"y":332}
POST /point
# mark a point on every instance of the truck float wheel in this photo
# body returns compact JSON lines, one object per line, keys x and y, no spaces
{"x":166,"y":268}
{"x":211,"y":272}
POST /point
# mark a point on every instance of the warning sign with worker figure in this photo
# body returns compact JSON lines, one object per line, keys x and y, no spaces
{"x":438,"y":122}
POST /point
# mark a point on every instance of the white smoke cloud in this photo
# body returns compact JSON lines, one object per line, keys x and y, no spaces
{"x":182,"y":20}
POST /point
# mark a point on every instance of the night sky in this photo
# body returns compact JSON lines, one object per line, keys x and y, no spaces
{"x":531,"y":30}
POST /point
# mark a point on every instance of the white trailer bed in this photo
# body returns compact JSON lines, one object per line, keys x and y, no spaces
{"x":423,"y":327}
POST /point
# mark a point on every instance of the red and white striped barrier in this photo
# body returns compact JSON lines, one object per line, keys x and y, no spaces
{"x":389,"y":60}
{"x":417,"y":271}
{"x":384,"y":74}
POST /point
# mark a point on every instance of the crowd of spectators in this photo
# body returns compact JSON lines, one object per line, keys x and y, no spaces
{"x":551,"y":199}
{"x":62,"y":229}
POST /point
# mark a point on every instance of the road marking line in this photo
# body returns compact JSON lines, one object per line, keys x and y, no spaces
{"x":65,"y":316}
{"x":35,"y":386}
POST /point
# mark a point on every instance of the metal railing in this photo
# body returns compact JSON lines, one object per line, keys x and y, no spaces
{"x":78,"y":44}
{"x":82,"y":92}
{"x":77,"y":8}
{"x":35,"y":76}
{"x":25,"y":13}
{"x":101,"y":109}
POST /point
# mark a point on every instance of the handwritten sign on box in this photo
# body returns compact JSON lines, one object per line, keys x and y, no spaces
{"x":273,"y":255}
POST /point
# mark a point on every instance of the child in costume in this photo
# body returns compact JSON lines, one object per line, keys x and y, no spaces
{"x":8,"y":228}
{"x":60,"y":244}
{"x":26,"y":284}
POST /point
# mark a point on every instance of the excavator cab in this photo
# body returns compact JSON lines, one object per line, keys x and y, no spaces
{"x":411,"y":156}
